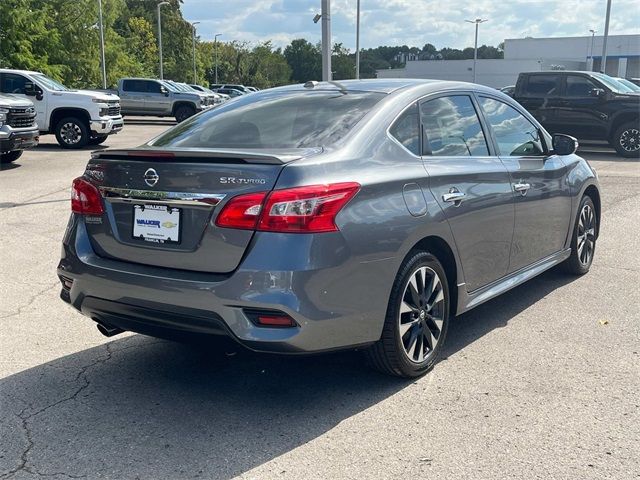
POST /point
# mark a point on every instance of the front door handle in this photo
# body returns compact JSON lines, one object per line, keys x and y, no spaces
{"x":454,"y":195}
{"x":523,"y":188}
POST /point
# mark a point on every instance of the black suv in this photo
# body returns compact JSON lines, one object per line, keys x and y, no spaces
{"x":587,"y":105}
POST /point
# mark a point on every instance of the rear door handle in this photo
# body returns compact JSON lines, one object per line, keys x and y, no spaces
{"x":454,"y":195}
{"x":523,"y":188}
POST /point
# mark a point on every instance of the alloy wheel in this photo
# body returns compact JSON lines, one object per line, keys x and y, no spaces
{"x":630,"y":140}
{"x":586,"y":235}
{"x":71,"y":133}
{"x":421,"y":316}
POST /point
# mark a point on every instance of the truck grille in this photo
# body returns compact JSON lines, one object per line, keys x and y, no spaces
{"x":113,"y":110}
{"x":21,"y":117}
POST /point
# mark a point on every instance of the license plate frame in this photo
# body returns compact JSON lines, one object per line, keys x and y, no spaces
{"x":155,"y":223}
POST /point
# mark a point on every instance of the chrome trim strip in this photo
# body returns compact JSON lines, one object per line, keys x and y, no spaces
{"x":128,"y":195}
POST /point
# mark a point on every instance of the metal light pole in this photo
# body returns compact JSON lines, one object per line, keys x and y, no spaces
{"x":195,"y":73}
{"x":603,"y":66}
{"x":358,"y":40}
{"x":160,"y":38}
{"x":215,"y":44}
{"x":477,"y":21}
{"x":104,"y":67}
{"x":593,"y":34}
{"x":326,"y":41}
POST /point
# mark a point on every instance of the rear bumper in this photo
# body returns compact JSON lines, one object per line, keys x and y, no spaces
{"x":331,"y":309}
{"x":107,"y":125}
{"x":18,"y":139}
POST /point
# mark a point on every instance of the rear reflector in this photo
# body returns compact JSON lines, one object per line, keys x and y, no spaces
{"x":309,"y":209}
{"x":85,"y":198}
{"x":275,"y":321}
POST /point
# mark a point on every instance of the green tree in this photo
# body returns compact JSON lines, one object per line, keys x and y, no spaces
{"x":305,"y":60}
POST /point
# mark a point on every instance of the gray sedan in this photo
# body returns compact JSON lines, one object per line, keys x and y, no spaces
{"x":327,"y":216}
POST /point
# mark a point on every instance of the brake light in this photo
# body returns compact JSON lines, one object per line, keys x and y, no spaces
{"x":85,"y":198}
{"x":306,"y":209}
{"x":242,"y":211}
{"x":309,"y":209}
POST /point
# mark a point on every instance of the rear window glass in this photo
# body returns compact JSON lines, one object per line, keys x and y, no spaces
{"x":274,"y":120}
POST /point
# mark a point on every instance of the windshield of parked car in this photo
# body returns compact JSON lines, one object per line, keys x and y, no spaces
{"x":614,"y":85}
{"x":630,"y":85}
{"x":274,"y":120}
{"x":50,"y":83}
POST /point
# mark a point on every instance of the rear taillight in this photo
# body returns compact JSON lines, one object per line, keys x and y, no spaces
{"x":85,"y":198}
{"x":309,"y":209}
{"x":242,"y":211}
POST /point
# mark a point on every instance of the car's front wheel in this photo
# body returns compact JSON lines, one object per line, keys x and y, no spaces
{"x":8,"y":157}
{"x":183,"y":112}
{"x":626,"y":140}
{"x":583,"y":241}
{"x":417,"y":319}
{"x":72,"y":132}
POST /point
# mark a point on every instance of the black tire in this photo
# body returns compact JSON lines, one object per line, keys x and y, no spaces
{"x":576,"y":264}
{"x":183,"y":112}
{"x":626,"y":140}
{"x":389,"y":355}
{"x":72,"y":132}
{"x":98,"y":140}
{"x":8,"y":157}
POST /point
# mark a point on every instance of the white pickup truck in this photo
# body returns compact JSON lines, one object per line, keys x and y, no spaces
{"x":76,"y":117}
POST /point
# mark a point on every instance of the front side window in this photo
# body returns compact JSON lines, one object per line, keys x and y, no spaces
{"x":274,"y":120}
{"x":406,"y":129}
{"x":579,"y":86}
{"x":451,"y":128}
{"x":515,"y":134}
{"x":13,"y":83}
{"x":153,"y":87}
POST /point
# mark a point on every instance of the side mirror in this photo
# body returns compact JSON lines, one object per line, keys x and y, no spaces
{"x":597,"y":92}
{"x":30,"y":89}
{"x":564,"y":144}
{"x":164,"y":91}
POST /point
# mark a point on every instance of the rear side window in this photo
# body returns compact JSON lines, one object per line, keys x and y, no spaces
{"x":578,"y":86}
{"x":274,"y":120}
{"x":515,"y":134}
{"x":542,"y":85}
{"x":406,"y":129}
{"x":12,"y":83}
{"x":451,"y":128}
{"x":134,"y":86}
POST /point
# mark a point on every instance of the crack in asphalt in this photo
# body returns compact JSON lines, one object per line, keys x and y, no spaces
{"x":10,"y":205}
{"x":26,"y":418}
{"x":30,"y":302}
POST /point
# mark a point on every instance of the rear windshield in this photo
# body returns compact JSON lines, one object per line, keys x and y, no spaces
{"x":274,"y":120}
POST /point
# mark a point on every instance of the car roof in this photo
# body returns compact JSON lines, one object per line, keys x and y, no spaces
{"x":13,"y":70}
{"x":387,"y":85}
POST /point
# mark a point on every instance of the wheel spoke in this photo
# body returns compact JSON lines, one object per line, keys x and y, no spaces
{"x":405,"y":327}
{"x":411,"y":348}
{"x":413,"y":290}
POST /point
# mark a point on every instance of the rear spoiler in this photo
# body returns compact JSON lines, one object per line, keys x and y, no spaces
{"x":218,"y":155}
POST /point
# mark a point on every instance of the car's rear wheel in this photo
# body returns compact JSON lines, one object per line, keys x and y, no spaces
{"x":626,"y":140}
{"x":183,"y":112}
{"x":8,"y":157}
{"x":72,"y":132}
{"x":583,"y":241}
{"x":417,"y":319}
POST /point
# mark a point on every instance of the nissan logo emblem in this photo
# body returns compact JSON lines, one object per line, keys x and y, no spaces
{"x":151,"y":177}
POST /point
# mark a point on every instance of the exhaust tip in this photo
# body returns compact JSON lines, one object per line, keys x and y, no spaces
{"x":108,"y":331}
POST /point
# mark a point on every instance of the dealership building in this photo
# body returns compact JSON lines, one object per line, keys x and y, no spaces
{"x":532,"y":54}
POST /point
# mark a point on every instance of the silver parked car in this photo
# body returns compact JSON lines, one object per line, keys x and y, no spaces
{"x":329,"y":215}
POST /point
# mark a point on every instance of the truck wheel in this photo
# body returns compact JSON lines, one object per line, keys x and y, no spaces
{"x":626,"y":140}
{"x":72,"y":132}
{"x":8,"y":157}
{"x":98,"y":140}
{"x":183,"y":112}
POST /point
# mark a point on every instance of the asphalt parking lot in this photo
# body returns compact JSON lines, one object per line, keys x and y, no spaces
{"x":542,"y":382}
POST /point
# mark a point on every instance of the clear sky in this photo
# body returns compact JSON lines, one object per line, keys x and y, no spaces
{"x":410,"y":22}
